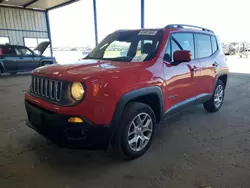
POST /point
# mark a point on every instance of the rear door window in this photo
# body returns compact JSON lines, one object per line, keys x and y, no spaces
{"x":203,"y":45}
{"x":7,"y":51}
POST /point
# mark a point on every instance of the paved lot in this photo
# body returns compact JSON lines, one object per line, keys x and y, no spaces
{"x":194,"y":148}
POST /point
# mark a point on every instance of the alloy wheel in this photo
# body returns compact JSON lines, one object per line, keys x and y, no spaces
{"x":218,"y":96}
{"x":140,"y":132}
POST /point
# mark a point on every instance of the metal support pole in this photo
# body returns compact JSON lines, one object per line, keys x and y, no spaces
{"x":95,"y":22}
{"x":142,"y":13}
{"x":48,"y":30}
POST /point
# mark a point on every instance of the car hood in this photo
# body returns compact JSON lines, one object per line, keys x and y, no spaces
{"x":42,"y":47}
{"x":84,"y":69}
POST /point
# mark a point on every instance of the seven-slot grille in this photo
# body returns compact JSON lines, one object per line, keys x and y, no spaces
{"x":47,"y":88}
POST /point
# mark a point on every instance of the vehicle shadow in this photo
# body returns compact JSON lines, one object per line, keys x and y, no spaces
{"x":75,"y":161}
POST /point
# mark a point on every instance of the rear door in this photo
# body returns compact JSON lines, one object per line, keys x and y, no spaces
{"x":26,"y":60}
{"x":207,"y":50}
{"x":8,"y":58}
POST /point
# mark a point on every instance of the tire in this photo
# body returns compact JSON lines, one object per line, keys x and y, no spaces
{"x":1,"y":71}
{"x":211,"y":105}
{"x":132,"y":112}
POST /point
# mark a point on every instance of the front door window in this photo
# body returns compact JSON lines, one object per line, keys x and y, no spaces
{"x":22,"y":51}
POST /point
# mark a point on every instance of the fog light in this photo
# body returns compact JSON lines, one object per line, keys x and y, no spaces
{"x":75,"y":120}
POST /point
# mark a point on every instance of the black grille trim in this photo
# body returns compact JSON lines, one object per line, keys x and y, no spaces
{"x":47,"y":88}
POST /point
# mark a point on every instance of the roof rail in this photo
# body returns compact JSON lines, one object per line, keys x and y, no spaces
{"x":190,"y":26}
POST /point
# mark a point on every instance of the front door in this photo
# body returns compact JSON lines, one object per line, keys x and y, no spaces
{"x":25,"y":58}
{"x":180,"y":80}
{"x":8,"y":58}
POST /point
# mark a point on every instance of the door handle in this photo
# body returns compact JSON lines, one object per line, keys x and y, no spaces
{"x":194,"y":69}
{"x":215,"y":64}
{"x":20,"y":58}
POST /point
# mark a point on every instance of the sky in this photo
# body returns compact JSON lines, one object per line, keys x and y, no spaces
{"x":73,"y":25}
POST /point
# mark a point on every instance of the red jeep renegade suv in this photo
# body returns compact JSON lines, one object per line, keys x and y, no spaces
{"x":130,"y":82}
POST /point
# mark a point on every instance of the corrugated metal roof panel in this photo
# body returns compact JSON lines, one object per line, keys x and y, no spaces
{"x":17,"y":24}
{"x":36,"y":4}
{"x":11,"y":18}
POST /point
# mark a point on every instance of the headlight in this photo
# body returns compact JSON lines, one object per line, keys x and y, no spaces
{"x":77,"y":91}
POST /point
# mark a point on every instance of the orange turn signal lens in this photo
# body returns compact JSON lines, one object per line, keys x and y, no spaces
{"x":75,"y":120}
{"x":95,"y":89}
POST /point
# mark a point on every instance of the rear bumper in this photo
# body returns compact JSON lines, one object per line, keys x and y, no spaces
{"x":56,"y":128}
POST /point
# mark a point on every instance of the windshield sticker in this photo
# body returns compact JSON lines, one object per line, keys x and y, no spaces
{"x":139,"y":58}
{"x":147,"y":32}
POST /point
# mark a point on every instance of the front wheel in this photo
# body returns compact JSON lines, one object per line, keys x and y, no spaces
{"x":135,"y":132}
{"x":216,"y":101}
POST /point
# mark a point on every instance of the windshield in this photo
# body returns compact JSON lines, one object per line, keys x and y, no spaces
{"x":128,"y":46}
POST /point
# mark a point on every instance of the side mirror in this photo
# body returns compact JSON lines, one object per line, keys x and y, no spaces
{"x":181,"y":56}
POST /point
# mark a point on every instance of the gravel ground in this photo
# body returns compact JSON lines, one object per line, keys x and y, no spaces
{"x":194,"y":148}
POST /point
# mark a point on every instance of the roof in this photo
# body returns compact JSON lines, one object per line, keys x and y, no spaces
{"x":35,"y":4}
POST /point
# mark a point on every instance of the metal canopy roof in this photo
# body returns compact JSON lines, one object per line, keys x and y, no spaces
{"x":36,"y":4}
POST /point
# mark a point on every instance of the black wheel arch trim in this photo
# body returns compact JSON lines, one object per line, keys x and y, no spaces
{"x":218,"y":75}
{"x":130,"y":96}
{"x":135,"y":94}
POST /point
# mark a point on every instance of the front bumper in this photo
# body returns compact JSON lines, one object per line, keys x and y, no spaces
{"x":56,"y":128}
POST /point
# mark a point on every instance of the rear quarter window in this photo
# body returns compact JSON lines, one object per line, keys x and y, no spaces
{"x":214,"y":44}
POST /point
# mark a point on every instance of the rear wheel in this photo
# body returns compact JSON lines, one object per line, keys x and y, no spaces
{"x":136,"y":129}
{"x":216,"y":101}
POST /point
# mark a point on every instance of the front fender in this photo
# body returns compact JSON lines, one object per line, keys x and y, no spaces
{"x":135,"y":94}
{"x":130,"y":96}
